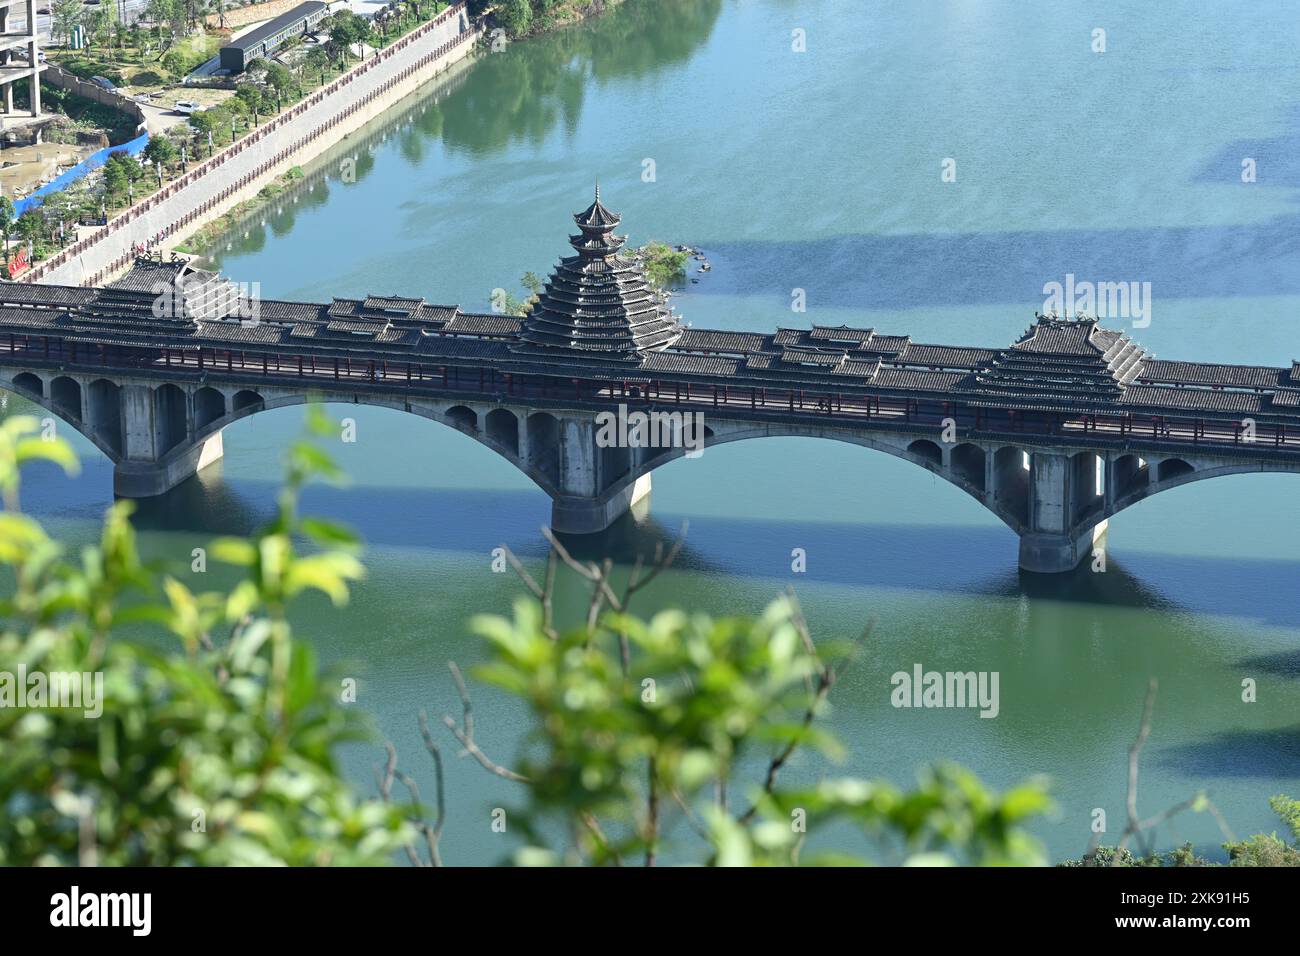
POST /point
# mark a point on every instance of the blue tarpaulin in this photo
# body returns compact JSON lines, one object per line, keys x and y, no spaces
{"x":93,"y":161}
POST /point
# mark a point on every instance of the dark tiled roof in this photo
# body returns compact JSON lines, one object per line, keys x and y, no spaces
{"x":841,"y":334}
{"x":250,"y":40}
{"x":18,"y":293}
{"x":802,"y":357}
{"x":1060,"y":361}
{"x":475,"y":323}
{"x":1056,"y":365}
{"x":362,"y":327}
{"x":1063,"y":337}
{"x":246,"y":333}
{"x":866,"y":370}
{"x":1197,"y":373}
{"x":889,"y":344}
{"x":691,"y":364}
{"x":946,"y":356}
{"x":1192,"y":399}
{"x":391,"y":303}
{"x":710,"y":340}
{"x":598,"y":302}
{"x":907,"y":378}
{"x":145,"y":274}
{"x":277,"y":310}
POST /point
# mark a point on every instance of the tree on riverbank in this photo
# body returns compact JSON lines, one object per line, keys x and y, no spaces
{"x":665,"y":267}
{"x":522,"y":17}
{"x":346,"y":29}
{"x":516,"y":16}
{"x":7,"y":212}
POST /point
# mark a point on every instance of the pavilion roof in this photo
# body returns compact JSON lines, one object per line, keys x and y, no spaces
{"x":605,"y":323}
{"x":598,"y":302}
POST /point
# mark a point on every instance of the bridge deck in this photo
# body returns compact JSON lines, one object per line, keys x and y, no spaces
{"x":1062,"y":380}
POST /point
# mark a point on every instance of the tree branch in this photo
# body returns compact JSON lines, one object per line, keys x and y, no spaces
{"x":465,"y":734}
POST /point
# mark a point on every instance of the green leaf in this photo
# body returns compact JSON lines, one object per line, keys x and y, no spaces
{"x":235,"y":551}
{"x":57,"y":451}
{"x":329,"y":532}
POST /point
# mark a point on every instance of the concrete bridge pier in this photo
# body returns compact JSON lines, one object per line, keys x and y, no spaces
{"x":1058,"y":490}
{"x":595,"y":490}
{"x":571,"y":514}
{"x":135,"y":479}
{"x":160,"y":450}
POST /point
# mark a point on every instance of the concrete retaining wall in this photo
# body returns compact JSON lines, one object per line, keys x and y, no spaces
{"x":57,"y":76}
{"x":239,"y":171}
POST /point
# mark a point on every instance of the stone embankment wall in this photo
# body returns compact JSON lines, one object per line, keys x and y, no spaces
{"x":55,"y":75}
{"x":240,"y":170}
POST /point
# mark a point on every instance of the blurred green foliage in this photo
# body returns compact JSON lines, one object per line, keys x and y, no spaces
{"x":220,"y":753}
{"x":665,"y":738}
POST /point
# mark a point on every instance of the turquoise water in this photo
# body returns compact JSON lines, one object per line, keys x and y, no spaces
{"x":821,"y":171}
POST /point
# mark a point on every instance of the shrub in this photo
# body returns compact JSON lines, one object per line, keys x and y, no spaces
{"x":218,"y":753}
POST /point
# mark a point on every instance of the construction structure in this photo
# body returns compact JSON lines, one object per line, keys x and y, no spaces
{"x":19,"y":61}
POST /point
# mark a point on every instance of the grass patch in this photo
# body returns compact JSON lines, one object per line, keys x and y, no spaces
{"x":85,"y":113}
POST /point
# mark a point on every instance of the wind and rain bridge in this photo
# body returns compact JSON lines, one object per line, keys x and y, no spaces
{"x":1054,"y":433}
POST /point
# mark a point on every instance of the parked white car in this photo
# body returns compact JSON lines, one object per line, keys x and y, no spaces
{"x":188,"y":107}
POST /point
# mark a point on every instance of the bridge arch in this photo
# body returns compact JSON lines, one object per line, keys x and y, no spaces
{"x":1183,"y":473}
{"x":927,"y":451}
{"x":968,"y":463}
{"x":502,"y":427}
{"x":919,"y":451}
{"x":27,"y":384}
{"x":1088,"y":484}
{"x":209,"y":406}
{"x":246,"y":399}
{"x":1012,"y":470}
{"x":108,"y":441}
{"x":543,"y":472}
{"x":65,"y":396}
{"x":1132,"y":474}
{"x":543,"y":434}
{"x":170,"y":418}
{"x":105,"y":413}
{"x":462,"y":417}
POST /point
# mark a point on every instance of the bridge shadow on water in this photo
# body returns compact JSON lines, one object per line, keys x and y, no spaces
{"x":970,"y":560}
{"x":1241,"y":754}
{"x":965,"y":269}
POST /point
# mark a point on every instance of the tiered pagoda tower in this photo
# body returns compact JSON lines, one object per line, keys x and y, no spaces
{"x":598,"y":303}
{"x":1060,"y":362}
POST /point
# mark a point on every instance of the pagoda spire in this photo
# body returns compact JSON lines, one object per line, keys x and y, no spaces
{"x":598,"y":301}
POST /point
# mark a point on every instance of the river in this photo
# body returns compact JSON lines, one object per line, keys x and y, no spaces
{"x":821,"y":171}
